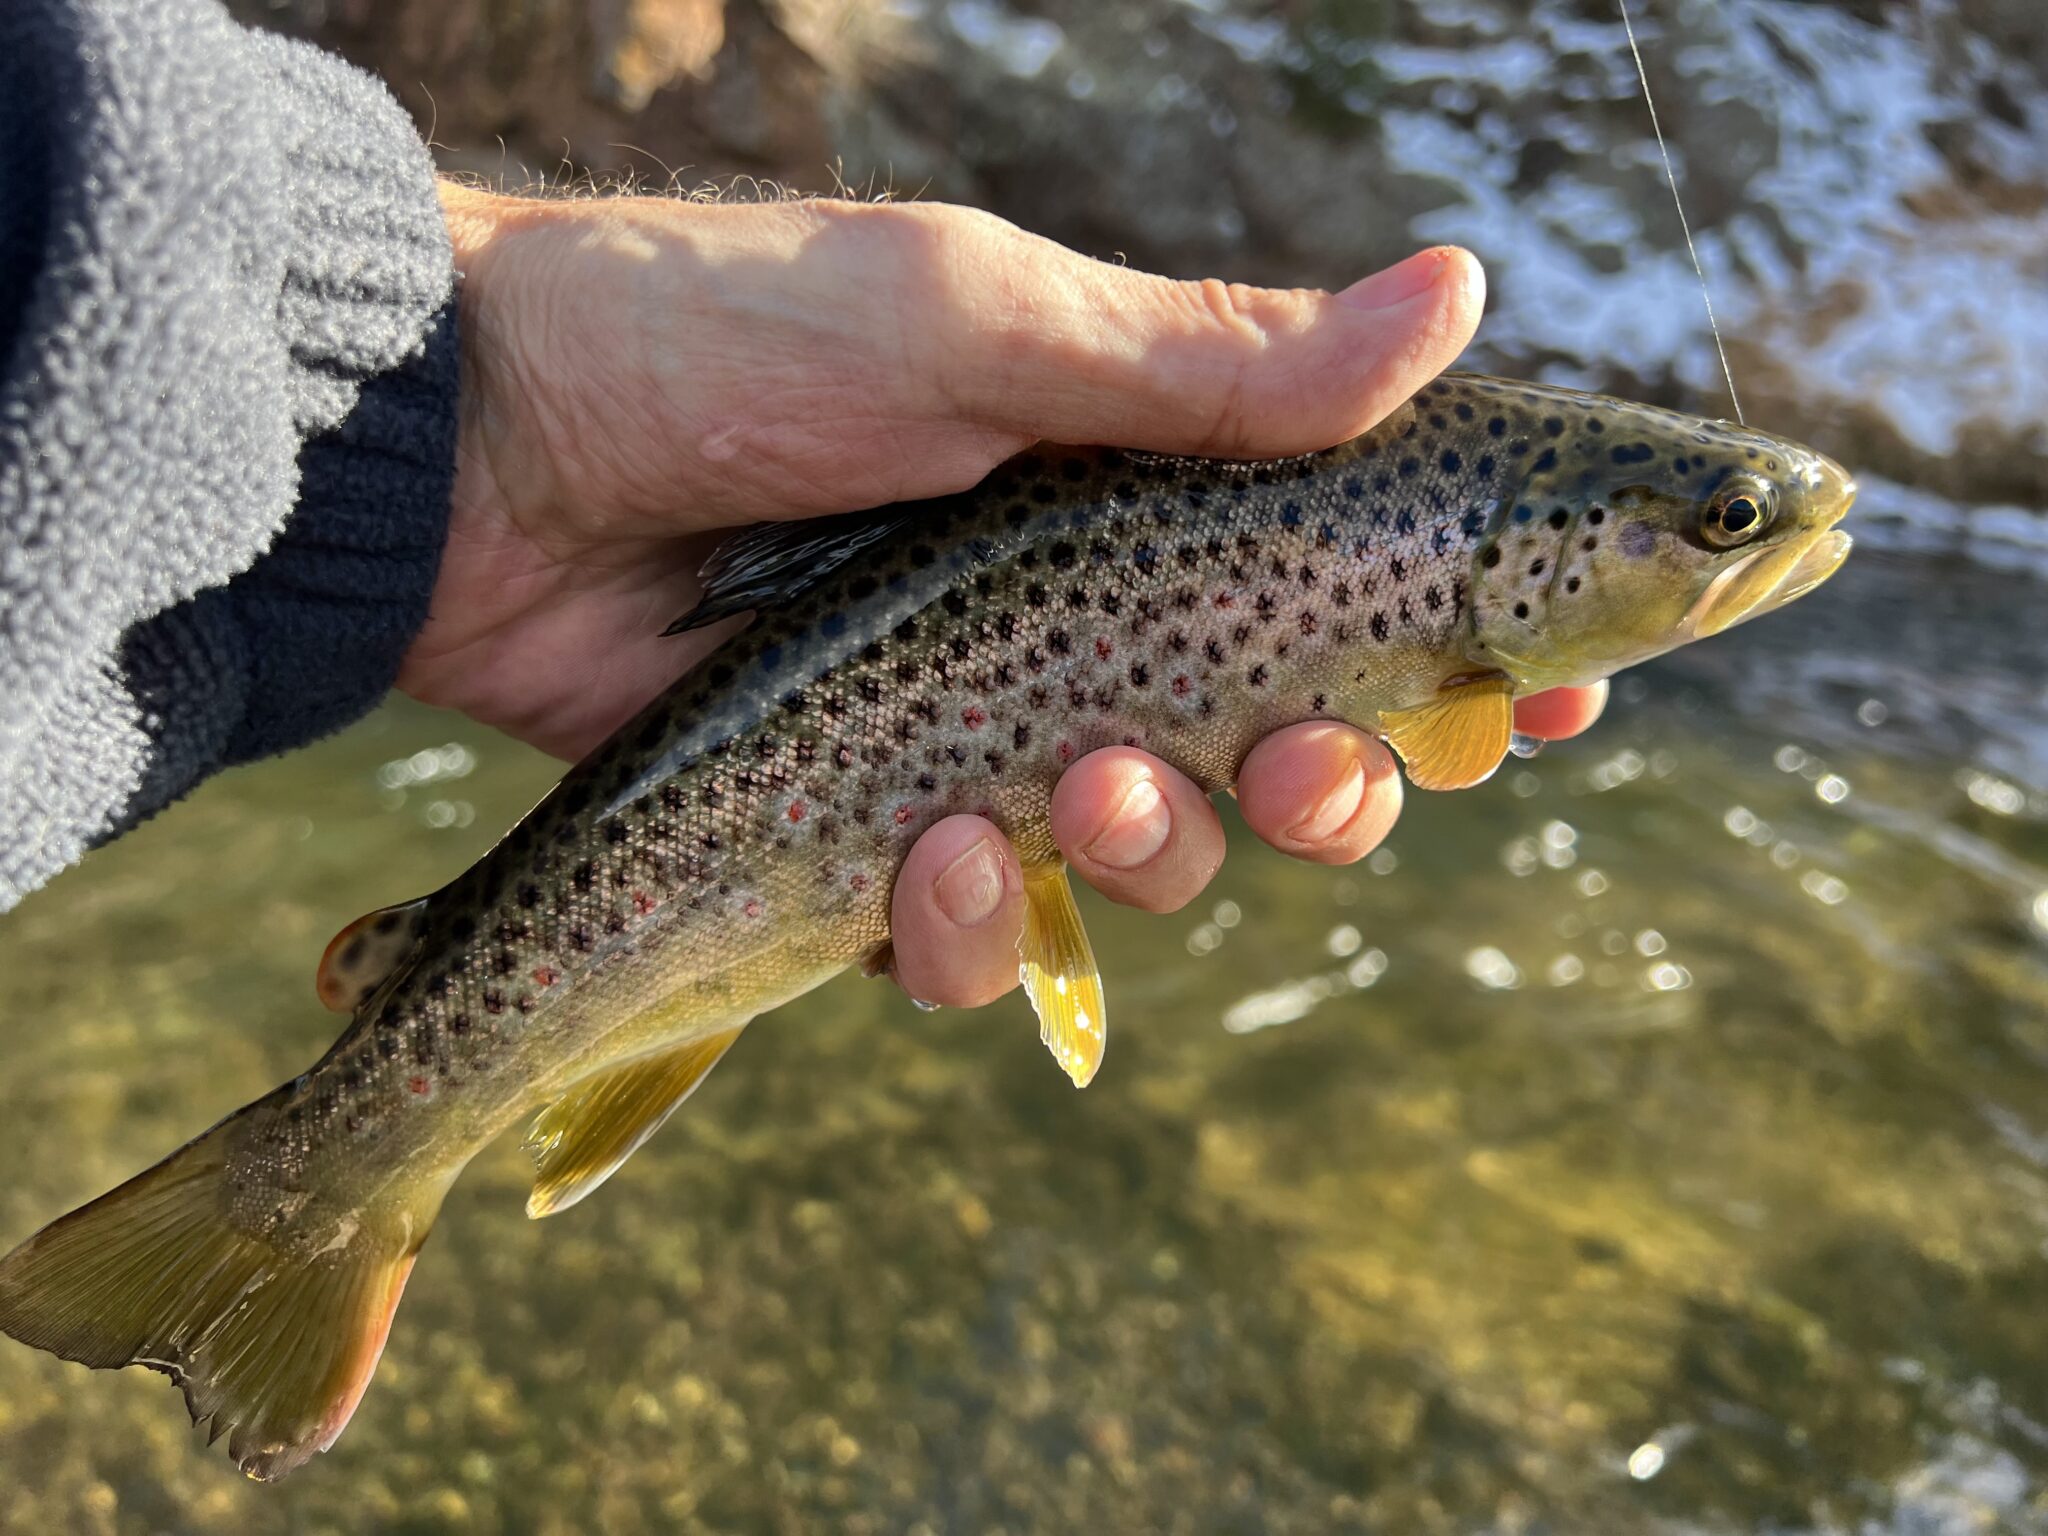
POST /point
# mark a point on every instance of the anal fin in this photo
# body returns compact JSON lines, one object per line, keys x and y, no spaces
{"x":359,"y":957}
{"x":580,"y":1140}
{"x":1459,"y":737}
{"x":1059,"y":974}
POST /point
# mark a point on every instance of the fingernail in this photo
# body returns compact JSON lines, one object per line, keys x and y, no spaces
{"x":1397,"y":283}
{"x":971,"y":888}
{"x":1336,"y":810}
{"x":1135,"y":831}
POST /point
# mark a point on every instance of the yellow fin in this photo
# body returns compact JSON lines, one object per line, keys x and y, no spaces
{"x":580,"y":1140}
{"x":272,"y":1340}
{"x":359,"y":957}
{"x":1459,"y":737}
{"x":1059,"y":974}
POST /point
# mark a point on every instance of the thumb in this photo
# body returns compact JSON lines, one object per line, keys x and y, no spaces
{"x":1045,"y":343}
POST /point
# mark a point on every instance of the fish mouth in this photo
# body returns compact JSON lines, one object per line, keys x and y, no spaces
{"x":1765,"y":580}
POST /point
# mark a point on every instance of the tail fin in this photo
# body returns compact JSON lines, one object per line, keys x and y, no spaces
{"x":272,"y":1343}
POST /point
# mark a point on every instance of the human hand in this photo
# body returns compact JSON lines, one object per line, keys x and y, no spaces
{"x":640,"y":374}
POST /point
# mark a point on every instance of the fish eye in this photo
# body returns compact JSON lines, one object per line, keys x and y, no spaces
{"x":1736,"y":516}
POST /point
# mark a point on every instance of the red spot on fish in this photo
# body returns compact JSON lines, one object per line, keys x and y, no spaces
{"x":420,"y":1085}
{"x":1103,"y":648}
{"x":974,"y":717}
{"x":546,"y":976}
{"x":797,"y":809}
{"x":1182,"y":687}
{"x":753,"y":907}
{"x":903,"y":814}
{"x":1066,"y":751}
{"x":858,"y":882}
{"x":1225,"y":600}
{"x":643,"y":903}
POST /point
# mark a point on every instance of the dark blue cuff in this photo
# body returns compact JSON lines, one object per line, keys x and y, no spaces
{"x":310,"y":637}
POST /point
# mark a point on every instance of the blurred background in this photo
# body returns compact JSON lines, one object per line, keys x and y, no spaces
{"x":1654,"y":1139}
{"x":1868,"y":180}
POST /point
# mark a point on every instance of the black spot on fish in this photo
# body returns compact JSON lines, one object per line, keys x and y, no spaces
{"x":1497,"y":426}
{"x":1491,"y":558}
{"x":1559,"y":516}
{"x":1408,"y":467}
{"x":1451,"y":462}
{"x":1521,"y":610}
{"x":1632,"y":453}
{"x":1062,"y":555}
{"x":1547,"y":459}
{"x":1140,"y":674}
{"x":1380,"y":628}
{"x":529,"y":896}
{"x":1597,"y":516}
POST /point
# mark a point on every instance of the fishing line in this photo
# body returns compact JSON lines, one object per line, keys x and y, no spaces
{"x":1671,"y":178}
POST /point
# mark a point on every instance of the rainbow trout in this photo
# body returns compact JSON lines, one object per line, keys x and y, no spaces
{"x":734,"y":846}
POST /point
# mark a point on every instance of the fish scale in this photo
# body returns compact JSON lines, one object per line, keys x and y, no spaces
{"x":736,"y":844}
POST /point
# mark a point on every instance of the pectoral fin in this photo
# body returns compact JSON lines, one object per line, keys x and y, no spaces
{"x":1459,"y":737}
{"x":580,"y":1140}
{"x":1059,"y":974}
{"x":365,"y":952}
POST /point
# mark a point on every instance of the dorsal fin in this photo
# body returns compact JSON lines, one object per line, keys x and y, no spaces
{"x":369,"y":949}
{"x":580,"y":1140}
{"x":767,"y":564}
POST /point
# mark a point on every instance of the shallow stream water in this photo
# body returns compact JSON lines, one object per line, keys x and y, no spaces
{"x":1654,"y":1139}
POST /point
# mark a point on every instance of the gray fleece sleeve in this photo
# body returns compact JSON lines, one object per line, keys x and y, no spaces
{"x":227,"y":407}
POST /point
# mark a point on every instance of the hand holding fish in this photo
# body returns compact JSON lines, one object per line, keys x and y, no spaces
{"x":643,"y":374}
{"x":1013,"y":662}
